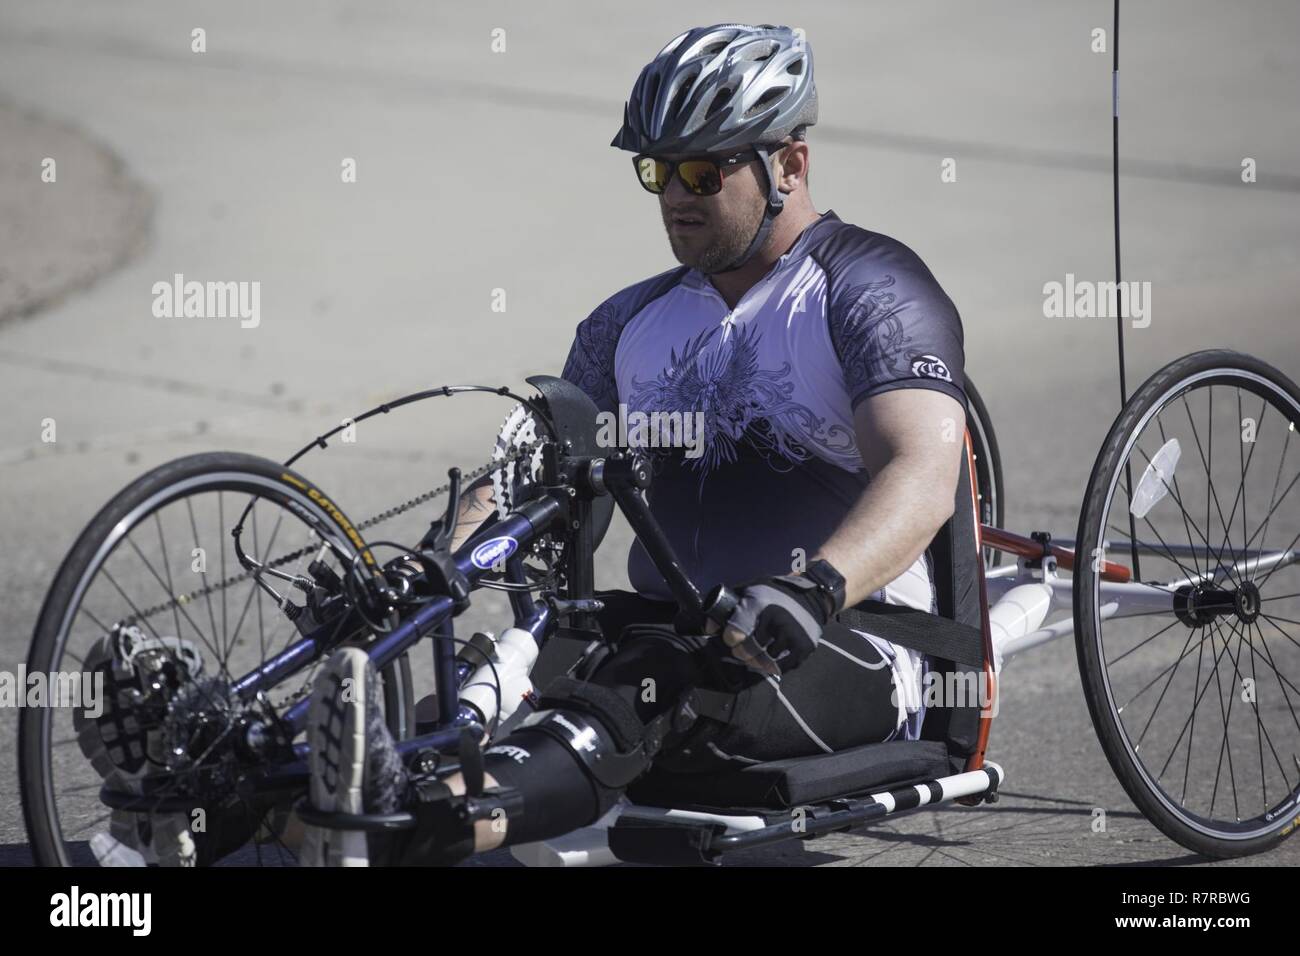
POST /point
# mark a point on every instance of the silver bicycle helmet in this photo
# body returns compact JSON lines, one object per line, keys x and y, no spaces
{"x":721,"y":88}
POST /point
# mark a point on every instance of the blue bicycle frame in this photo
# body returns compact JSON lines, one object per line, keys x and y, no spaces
{"x":433,"y":618}
{"x":620,"y":477}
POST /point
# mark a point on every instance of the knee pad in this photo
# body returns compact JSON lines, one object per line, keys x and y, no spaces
{"x":600,"y":727}
{"x":559,"y":793}
{"x":595,"y":726}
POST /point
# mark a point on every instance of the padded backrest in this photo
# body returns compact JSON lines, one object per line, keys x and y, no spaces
{"x":957,"y":566}
{"x":955,"y":559}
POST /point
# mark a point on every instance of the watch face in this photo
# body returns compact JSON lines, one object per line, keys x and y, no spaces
{"x":828,"y":578}
{"x":825,"y":575}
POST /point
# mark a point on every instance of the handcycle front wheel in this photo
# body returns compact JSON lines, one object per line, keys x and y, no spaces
{"x":1191,"y":670}
{"x":158,"y":559}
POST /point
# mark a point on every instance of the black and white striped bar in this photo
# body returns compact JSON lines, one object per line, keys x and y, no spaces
{"x":745,"y":831}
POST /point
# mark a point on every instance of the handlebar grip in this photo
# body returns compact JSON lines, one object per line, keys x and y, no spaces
{"x":719,"y":604}
{"x":717,"y":607}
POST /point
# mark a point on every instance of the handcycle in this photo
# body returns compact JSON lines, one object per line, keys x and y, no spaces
{"x":1157,"y":618}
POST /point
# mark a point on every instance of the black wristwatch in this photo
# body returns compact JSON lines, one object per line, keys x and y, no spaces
{"x":829,"y":582}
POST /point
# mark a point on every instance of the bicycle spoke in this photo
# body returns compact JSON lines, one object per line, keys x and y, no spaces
{"x":1129,"y":703}
{"x":1147,"y":546}
{"x":1284,"y":634}
{"x":255,"y":590}
{"x":1259,"y":739}
{"x":1197,"y":702}
{"x":1281,"y":682}
{"x":261,"y":622}
{"x":221,"y":523}
{"x":1273,"y":494}
{"x":1208,"y":547}
{"x":203,"y":566}
{"x":1144,"y":642}
{"x":1260,"y":729}
{"x":1240,"y":496}
{"x":1223,"y":746}
{"x":171,"y":590}
{"x":1264,"y":580}
{"x":1281,"y":597}
{"x":1191,"y":737}
{"x":1209,"y":471}
{"x":1278,"y":617}
{"x":1164,"y":440}
{"x":163,"y":584}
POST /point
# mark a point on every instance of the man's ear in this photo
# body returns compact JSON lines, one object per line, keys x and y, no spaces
{"x":796,"y":177}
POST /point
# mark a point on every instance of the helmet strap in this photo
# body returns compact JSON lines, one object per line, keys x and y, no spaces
{"x":775,"y":203}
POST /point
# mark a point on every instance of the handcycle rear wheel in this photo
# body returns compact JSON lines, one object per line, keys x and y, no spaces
{"x":1195,"y":702}
{"x":158,"y":554}
{"x":988,"y":466}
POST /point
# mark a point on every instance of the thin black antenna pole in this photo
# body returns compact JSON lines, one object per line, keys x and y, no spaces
{"x":1119,"y":284}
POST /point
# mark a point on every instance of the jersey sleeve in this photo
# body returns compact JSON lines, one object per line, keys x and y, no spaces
{"x":590,"y":364}
{"x":896,"y":328}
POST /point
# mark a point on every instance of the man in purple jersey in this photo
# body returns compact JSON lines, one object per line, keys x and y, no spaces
{"x":820,"y":366}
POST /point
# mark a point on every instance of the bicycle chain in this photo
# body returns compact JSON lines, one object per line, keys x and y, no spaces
{"x":494,"y":465}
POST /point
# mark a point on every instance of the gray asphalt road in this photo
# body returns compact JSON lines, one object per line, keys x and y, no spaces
{"x":480,"y":171}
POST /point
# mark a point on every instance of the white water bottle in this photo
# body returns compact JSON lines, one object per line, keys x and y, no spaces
{"x":1020,"y":611}
{"x":514,"y":652}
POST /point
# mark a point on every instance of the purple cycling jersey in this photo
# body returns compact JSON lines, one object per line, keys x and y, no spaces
{"x":747,"y":413}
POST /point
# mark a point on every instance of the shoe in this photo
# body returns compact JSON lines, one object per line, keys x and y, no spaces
{"x":354,"y":764}
{"x":122,"y":751}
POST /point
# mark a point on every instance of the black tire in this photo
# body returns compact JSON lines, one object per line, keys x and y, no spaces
{"x":988,"y":465}
{"x":1133,"y":740}
{"x":171,"y":482}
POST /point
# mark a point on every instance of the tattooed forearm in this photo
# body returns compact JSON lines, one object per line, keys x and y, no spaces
{"x":479,"y":505}
{"x":476,"y":505}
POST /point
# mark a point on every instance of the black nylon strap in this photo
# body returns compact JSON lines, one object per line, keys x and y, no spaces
{"x":927,"y":633}
{"x":717,"y":704}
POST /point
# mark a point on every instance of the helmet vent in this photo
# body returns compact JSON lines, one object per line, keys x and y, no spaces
{"x":766,"y":100}
{"x":683,"y":91}
{"x":758,"y":52}
{"x":719,"y":101}
{"x":795,"y":68}
{"x":652,"y":91}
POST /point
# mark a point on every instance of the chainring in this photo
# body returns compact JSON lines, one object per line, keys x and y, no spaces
{"x":520,"y":448}
{"x":512,"y":481}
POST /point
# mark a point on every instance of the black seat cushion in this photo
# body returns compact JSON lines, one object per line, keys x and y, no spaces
{"x":783,"y":784}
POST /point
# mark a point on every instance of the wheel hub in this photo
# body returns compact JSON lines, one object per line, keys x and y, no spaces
{"x":1199,"y":605}
{"x":1248,"y":601}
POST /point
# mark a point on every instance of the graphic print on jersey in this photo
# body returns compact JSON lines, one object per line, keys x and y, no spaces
{"x":870,"y":341}
{"x":590,"y":365}
{"x":873,"y":344}
{"x":740,"y":400}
